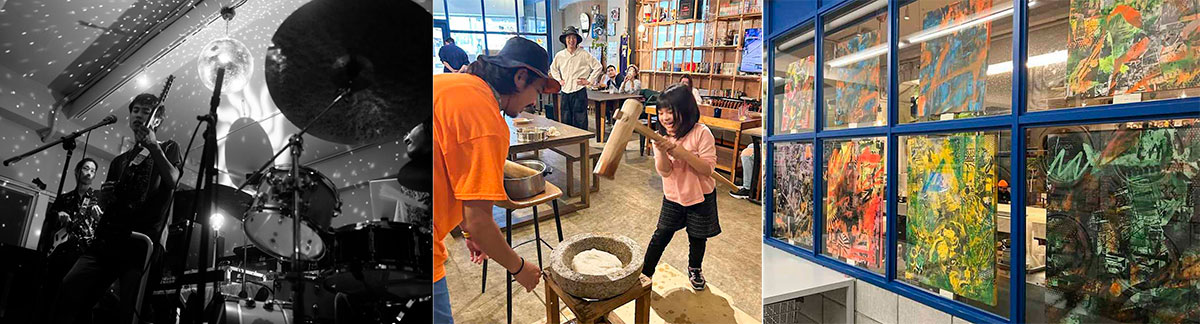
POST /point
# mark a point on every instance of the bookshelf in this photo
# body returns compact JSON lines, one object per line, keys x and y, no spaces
{"x":666,"y":49}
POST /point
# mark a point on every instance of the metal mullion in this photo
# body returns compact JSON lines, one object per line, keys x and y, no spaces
{"x":1115,"y":112}
{"x":818,"y":209}
{"x":792,"y":137}
{"x":768,"y":147}
{"x":954,"y":126}
{"x":893,"y":90}
{"x":483,"y":18}
{"x":874,"y":131}
{"x":1016,"y":278}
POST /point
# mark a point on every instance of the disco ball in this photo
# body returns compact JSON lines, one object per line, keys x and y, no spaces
{"x":226,"y":53}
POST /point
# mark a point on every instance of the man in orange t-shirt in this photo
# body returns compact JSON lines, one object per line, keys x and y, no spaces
{"x":470,"y":146}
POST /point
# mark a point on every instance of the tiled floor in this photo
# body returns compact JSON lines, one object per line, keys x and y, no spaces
{"x":628,"y":205}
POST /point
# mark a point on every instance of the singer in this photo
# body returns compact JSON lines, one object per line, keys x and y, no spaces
{"x":133,"y":197}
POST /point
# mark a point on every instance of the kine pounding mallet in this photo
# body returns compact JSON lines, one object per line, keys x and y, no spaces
{"x":625,"y":124}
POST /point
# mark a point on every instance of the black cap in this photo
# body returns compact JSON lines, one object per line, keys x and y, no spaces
{"x":522,"y":52}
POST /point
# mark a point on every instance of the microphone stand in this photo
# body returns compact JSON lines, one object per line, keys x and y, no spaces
{"x":205,"y":183}
{"x":296,"y":144}
{"x":68,"y":144}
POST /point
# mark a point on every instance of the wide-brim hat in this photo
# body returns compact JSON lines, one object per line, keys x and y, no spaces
{"x":524,"y":53}
{"x":570,"y":30}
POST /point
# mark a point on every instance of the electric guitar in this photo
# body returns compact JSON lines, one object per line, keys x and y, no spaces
{"x":81,"y":227}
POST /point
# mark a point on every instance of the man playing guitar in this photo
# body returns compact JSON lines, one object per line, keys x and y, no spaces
{"x":136,"y":190}
{"x":77,"y":212}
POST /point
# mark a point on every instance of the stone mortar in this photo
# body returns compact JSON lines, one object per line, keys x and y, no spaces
{"x":562,"y":268}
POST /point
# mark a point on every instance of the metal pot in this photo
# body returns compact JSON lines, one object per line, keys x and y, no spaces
{"x":521,"y":188}
{"x":530,"y":134}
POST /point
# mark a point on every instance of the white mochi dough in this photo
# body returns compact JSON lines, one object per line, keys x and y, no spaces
{"x":597,"y":263}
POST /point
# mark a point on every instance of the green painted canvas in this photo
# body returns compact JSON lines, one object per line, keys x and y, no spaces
{"x":951,"y":226}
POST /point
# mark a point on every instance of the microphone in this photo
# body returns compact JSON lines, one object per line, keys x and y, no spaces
{"x":104,"y":122}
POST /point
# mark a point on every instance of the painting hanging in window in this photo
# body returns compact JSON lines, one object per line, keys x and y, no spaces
{"x":1132,"y":46}
{"x":799,"y":96}
{"x":1122,"y":222}
{"x":951,"y":225}
{"x":953,"y":74}
{"x":855,"y":72}
{"x":855,"y":183}
{"x":793,"y":193}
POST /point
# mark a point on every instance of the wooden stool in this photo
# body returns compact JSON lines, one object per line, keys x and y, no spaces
{"x":571,"y":153}
{"x":588,"y":312}
{"x":550,"y":195}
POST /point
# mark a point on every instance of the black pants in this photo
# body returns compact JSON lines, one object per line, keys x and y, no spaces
{"x":574,"y":110}
{"x":57,"y":266}
{"x":94,"y":273}
{"x":701,"y":223}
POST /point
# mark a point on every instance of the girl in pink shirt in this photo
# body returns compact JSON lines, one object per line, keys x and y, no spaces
{"x":689,"y":198}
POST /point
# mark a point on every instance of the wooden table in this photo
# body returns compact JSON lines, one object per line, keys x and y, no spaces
{"x":756,"y":135}
{"x":736,"y":126}
{"x":588,"y":312}
{"x":780,"y":282}
{"x":569,"y":136}
{"x":601,"y":101}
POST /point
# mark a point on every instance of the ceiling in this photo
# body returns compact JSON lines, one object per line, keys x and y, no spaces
{"x":44,"y":41}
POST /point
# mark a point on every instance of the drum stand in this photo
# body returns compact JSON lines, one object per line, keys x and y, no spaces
{"x":296,"y":146}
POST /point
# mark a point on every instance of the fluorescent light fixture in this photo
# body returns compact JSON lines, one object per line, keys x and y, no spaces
{"x":838,"y":22}
{"x":1034,"y":61}
{"x":858,"y":56}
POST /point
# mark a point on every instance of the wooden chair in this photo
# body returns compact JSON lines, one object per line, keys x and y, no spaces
{"x":571,"y":153}
{"x":551,"y":196}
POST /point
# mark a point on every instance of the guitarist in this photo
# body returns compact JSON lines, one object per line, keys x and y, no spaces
{"x":134,"y":195}
{"x":71,"y":208}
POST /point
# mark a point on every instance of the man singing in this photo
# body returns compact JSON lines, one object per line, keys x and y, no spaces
{"x":136,"y":192}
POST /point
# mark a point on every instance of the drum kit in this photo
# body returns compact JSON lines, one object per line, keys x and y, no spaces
{"x":332,"y":56}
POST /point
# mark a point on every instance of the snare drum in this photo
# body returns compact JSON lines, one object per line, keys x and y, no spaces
{"x":381,"y":259}
{"x":268,"y":223}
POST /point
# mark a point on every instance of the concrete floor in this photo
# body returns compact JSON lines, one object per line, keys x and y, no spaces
{"x":628,"y":205}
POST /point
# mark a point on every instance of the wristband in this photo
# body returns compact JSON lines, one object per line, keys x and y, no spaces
{"x":519,"y":269}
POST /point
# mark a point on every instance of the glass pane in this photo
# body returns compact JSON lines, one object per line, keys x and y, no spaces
{"x":532,"y":15}
{"x":465,"y":15}
{"x":439,"y":9}
{"x":1113,"y":216}
{"x":855,"y":182}
{"x":794,"y":83}
{"x":793,"y":193}
{"x":470,"y":43}
{"x":698,"y":35}
{"x":955,"y":59}
{"x":438,"y":42}
{"x":541,"y":40}
{"x":949,"y":193}
{"x":496,"y":41}
{"x":1090,"y":53}
{"x":856,"y":67}
{"x":501,"y":15}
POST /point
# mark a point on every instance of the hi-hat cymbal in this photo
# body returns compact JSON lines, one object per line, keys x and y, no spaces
{"x":321,"y":48}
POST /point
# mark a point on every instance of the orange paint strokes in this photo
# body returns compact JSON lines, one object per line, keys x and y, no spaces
{"x":1131,"y":16}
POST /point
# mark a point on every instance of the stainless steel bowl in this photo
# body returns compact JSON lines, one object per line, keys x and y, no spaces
{"x":521,"y":188}
{"x":531,"y":134}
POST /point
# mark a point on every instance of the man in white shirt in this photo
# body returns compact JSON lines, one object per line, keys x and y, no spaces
{"x":575,"y":69}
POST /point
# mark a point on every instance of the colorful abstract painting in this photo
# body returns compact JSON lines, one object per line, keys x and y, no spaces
{"x":954,"y":67}
{"x":857,"y":85}
{"x":794,"y":193}
{"x":1122,"y":224}
{"x":855,"y":183}
{"x":799,"y":98}
{"x":951,"y":222}
{"x":1131,"y":46}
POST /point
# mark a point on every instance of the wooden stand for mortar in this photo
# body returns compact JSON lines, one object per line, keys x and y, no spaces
{"x":589,"y":312}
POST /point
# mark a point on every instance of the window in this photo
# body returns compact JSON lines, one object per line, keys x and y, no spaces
{"x":793,"y":193}
{"x":794,"y":82}
{"x":952,"y":188}
{"x":955,"y":59}
{"x":501,"y":15}
{"x":854,"y":185}
{"x":481,"y":27}
{"x":855,"y":48}
{"x":1114,"y":216}
{"x":533,"y":15}
{"x":1091,"y":53}
{"x":470,"y":43}
{"x":16,"y":201}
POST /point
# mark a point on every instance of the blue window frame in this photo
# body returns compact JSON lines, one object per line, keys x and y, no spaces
{"x":1017,"y":123}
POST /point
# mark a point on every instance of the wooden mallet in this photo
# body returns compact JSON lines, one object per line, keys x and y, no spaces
{"x":625,"y":124}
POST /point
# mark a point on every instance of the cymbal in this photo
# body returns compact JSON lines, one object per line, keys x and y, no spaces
{"x":326,"y":45}
{"x":230,"y":201}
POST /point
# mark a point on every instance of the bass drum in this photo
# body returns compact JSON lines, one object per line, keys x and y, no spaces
{"x":381,"y":259}
{"x":238,"y":311}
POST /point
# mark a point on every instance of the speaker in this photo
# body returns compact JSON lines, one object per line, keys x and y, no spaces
{"x":691,"y":9}
{"x":20,"y":280}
